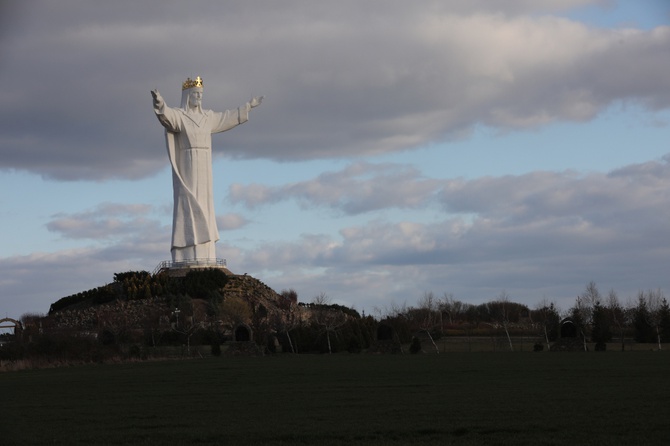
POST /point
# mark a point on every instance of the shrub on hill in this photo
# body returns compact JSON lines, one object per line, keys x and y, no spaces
{"x":135,"y":285}
{"x":204,"y":284}
{"x":100,"y":295}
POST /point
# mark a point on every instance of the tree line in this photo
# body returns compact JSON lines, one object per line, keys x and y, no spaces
{"x":595,"y":317}
{"x":195,"y":311}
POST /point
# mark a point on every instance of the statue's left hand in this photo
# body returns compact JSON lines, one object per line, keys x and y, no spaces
{"x":255,"y":102}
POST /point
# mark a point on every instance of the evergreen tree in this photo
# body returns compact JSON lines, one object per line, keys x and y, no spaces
{"x":664,"y":321}
{"x":644,"y":332}
{"x":601,"y":331}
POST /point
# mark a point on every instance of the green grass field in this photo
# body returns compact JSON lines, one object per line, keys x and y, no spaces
{"x":456,"y":398}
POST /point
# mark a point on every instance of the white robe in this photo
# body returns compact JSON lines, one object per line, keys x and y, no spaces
{"x":189,"y":145}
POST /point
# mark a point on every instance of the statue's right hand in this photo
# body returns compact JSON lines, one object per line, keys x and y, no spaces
{"x":158,"y":99}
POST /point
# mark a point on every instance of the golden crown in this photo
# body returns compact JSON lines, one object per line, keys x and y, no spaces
{"x":190,"y":83}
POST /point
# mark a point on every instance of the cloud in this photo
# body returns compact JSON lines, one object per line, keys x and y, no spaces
{"x":108,"y":220}
{"x":229,"y":222}
{"x":612,"y":200}
{"x":341,"y":79}
{"x":564,"y":199}
{"x":360,"y":187}
{"x":535,"y":235}
{"x":33,"y":282}
{"x":121,"y":237}
{"x":346,"y":80}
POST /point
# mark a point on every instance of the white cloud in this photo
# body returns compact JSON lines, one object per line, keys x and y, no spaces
{"x":536,"y":234}
{"x":229,"y":222}
{"x":31,"y":283}
{"x":108,"y":220}
{"x":360,"y":187}
{"x":510,"y":200}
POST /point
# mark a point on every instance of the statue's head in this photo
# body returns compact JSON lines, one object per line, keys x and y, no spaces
{"x":191,"y":94}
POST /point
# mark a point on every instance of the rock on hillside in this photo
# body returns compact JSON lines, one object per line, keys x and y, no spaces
{"x":252,"y":291}
{"x":265,"y":305}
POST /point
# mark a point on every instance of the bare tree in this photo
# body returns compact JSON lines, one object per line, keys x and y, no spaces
{"x":288,"y":318}
{"x":330,"y":319}
{"x":450,"y":306}
{"x":588,"y":301}
{"x":579,"y":318}
{"x":460,"y":313}
{"x":547,"y":315}
{"x":503,"y":299}
{"x":430,"y":316}
{"x":499,"y":314}
{"x":187,"y":319}
{"x":655,"y":300}
{"x":582,"y":312}
{"x":619,"y":315}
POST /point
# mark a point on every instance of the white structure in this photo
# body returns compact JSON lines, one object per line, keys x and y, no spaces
{"x":188,"y":135}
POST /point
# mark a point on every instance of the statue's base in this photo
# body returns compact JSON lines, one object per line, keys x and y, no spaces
{"x":181,"y":268}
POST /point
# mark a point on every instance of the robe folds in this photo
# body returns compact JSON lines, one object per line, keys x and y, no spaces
{"x":188,"y":138}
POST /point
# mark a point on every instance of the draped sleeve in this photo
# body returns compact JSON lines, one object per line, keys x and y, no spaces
{"x":169,"y":118}
{"x":229,"y":119}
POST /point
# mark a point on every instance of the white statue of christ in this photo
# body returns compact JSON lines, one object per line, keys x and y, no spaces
{"x":188,"y":135}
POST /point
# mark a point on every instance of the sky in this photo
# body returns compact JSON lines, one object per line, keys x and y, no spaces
{"x":467,"y":148}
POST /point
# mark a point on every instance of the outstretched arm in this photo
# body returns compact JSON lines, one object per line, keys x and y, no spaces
{"x":165,"y":114}
{"x":231,"y":118}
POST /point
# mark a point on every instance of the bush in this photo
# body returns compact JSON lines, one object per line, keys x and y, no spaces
{"x":135,"y":352}
{"x":271,"y":345}
{"x":106,"y":337}
{"x":12,"y":351}
{"x":204,"y":284}
{"x":354,"y":346}
{"x":171,"y":337}
{"x":284,"y":342}
{"x":64,"y":347}
{"x":415,"y":346}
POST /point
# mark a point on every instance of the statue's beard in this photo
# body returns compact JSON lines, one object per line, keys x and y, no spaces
{"x":190,"y":104}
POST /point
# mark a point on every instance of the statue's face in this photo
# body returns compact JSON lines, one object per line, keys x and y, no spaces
{"x":195,"y":98}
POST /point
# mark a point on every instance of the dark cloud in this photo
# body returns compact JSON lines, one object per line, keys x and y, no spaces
{"x":341,"y":78}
